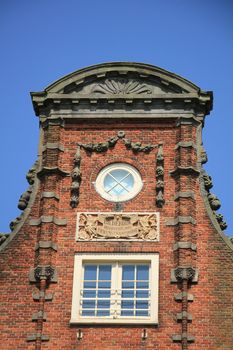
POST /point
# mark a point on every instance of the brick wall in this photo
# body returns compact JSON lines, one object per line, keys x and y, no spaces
{"x":35,"y":312}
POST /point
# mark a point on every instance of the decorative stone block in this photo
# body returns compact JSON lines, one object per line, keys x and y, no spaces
{"x":118,"y":226}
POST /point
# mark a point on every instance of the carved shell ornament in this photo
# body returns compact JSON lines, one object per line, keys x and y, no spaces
{"x":121,"y":86}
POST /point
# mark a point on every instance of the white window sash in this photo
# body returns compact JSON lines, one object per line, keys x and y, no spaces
{"x":116,"y":261}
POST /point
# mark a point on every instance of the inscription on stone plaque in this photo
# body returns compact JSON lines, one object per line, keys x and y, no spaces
{"x":118,"y":226}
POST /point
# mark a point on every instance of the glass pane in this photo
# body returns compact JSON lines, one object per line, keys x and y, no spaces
{"x":127,"y":304}
{"x":127,"y":313}
{"x":118,"y":190}
{"x":119,"y":174}
{"x":90,"y":272}
{"x":142,"y":272}
{"x":128,"y":182}
{"x":103,"y":313}
{"x":103,"y":304}
{"x":89,"y":285}
{"x":127,"y":285}
{"x":142,"y":294}
{"x":118,"y":182}
{"x":88,"y":312}
{"x":88,"y":304}
{"x":89,"y":294}
{"x":109,"y":182}
{"x":127,"y":294}
{"x":142,"y":313}
{"x":142,"y":285}
{"x":105,"y":272}
{"x":105,"y":285}
{"x":104,"y":293}
{"x":142,"y":304}
{"x":128,"y":272}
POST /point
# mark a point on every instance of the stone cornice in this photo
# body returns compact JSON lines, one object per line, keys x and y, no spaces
{"x":167,"y":102}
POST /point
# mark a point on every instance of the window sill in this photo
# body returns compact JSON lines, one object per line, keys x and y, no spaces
{"x":113,"y":321}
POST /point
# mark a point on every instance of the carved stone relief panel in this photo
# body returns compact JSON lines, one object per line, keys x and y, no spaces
{"x":116,"y":226}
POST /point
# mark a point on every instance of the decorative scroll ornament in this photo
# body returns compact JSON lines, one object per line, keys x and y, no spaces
{"x":203,"y":154}
{"x":220,"y":219}
{"x":115,"y":226}
{"x":76,"y":180}
{"x":160,"y":178}
{"x":3,"y":237}
{"x":25,"y":197}
{"x":207,"y":181}
{"x":214,"y":202}
{"x":121,"y":86}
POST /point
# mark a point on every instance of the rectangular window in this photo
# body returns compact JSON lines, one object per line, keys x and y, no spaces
{"x":115,"y":288}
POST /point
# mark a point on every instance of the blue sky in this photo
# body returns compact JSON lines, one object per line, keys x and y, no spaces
{"x":43,"y":40}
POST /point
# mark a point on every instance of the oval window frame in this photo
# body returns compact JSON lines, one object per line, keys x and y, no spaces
{"x":137,"y":187}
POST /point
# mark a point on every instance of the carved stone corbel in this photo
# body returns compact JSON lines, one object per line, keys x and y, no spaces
{"x":184,"y":273}
{"x":44,"y":273}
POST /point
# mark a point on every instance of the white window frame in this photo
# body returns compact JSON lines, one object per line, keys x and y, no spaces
{"x":99,"y":183}
{"x":110,"y":258}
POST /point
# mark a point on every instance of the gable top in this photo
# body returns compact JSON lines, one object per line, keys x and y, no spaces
{"x":121,"y":79}
{"x":103,"y":70}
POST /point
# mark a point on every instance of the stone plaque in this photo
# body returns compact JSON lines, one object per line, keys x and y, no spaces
{"x":118,"y":226}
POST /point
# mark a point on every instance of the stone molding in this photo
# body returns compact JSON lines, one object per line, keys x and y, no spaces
{"x":185,"y":144}
{"x":177,"y":338}
{"x":48,"y":171}
{"x":185,"y":170}
{"x":55,"y":145}
{"x":47,"y":219}
{"x":46,"y":245}
{"x":51,"y":121}
{"x":180,"y":220}
{"x":184,"y":245}
{"x":39,"y":315}
{"x":184,"y":314}
{"x":40,"y":295}
{"x":35,"y":336}
{"x":49,"y":195}
{"x":184,"y":194}
{"x":179,"y":296}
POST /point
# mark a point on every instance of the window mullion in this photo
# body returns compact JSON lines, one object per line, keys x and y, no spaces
{"x":118,"y":289}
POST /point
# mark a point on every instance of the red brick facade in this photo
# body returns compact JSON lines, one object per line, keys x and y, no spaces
{"x":195,"y":257}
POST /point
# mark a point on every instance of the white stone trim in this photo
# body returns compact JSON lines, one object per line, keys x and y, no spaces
{"x":99,"y":183}
{"x":80,"y":258}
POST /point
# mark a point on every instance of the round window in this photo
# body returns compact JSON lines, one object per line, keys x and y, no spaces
{"x":118,"y":182}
